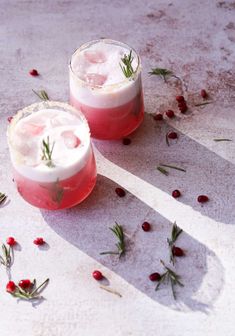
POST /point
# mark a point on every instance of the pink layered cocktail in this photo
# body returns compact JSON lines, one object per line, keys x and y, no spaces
{"x":52,"y":157}
{"x":106,"y":88}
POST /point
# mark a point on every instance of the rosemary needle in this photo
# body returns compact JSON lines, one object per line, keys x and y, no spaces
{"x":41,"y":94}
{"x":110,"y":290}
{"x":173,"y":167}
{"x":163,"y":171}
{"x":218,"y":140}
{"x":204,"y":103}
{"x":3,"y":198}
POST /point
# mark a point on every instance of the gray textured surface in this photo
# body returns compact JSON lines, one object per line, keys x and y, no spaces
{"x":195,"y":39}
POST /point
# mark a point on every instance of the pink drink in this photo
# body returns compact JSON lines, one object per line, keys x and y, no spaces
{"x":112,"y":103}
{"x":65,"y":178}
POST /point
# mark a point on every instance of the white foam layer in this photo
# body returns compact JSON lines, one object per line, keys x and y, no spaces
{"x":96,"y":78}
{"x":69,"y":134}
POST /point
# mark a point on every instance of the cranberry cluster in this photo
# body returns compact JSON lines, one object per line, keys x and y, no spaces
{"x":24,"y":284}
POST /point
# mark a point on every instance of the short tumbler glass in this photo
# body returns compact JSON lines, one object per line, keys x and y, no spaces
{"x":52,"y":156}
{"x":115,"y":110}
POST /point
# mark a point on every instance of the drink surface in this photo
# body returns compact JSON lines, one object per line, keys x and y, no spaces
{"x":67,"y":136}
{"x":99,"y":64}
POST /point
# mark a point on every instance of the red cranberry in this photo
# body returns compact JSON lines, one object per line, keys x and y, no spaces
{"x":177,"y":251}
{"x":182,"y":107}
{"x":126,"y":141}
{"x":34,"y":72}
{"x":202,"y":199}
{"x":146,"y":226}
{"x":172,"y":135}
{"x":11,"y":287}
{"x":204,"y":94}
{"x":25,"y":283}
{"x":158,"y":117}
{"x":9,"y":119}
{"x":170,"y":114}
{"x":179,"y":99}
{"x":11,"y":241}
{"x":154,"y":277}
{"x":120,"y":192}
{"x":182,"y":104}
{"x":176,"y":193}
{"x":97,"y":275}
{"x":39,"y":241}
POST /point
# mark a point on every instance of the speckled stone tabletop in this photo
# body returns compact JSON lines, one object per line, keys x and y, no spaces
{"x":195,"y":39}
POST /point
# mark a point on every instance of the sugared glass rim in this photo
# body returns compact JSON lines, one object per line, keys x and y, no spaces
{"x":108,"y":41}
{"x":36,"y":107}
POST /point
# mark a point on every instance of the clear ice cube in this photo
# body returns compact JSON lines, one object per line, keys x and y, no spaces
{"x":94,"y":56}
{"x":95,"y":79}
{"x":70,"y":139}
{"x":33,"y":129}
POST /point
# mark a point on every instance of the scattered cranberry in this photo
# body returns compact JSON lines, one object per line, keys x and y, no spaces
{"x":176,"y":193}
{"x":25,"y":283}
{"x":126,"y":141}
{"x":39,"y":241}
{"x":11,"y":241}
{"x":97,"y":275}
{"x":182,"y":107}
{"x":202,"y":199}
{"x":182,"y":104}
{"x":146,"y":226}
{"x":177,"y":251}
{"x":154,"y":277}
{"x":204,"y":94}
{"x":34,"y":72}
{"x":11,"y":287}
{"x":179,"y":99}
{"x":9,"y":119}
{"x":120,"y":192}
{"x":158,"y":117}
{"x":172,"y":135}
{"x":170,"y":114}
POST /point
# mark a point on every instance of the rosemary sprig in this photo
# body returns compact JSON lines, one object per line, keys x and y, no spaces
{"x":41,"y":94}
{"x":173,"y":167}
{"x":162,"y":170}
{"x":204,"y":103}
{"x":127,"y":68}
{"x":169,"y":276}
{"x":218,"y":140}
{"x":3,"y":198}
{"x":176,"y":231}
{"x":118,"y":231}
{"x":163,"y":73}
{"x":47,"y":150}
{"x":32,"y":293}
{"x":6,"y":258}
